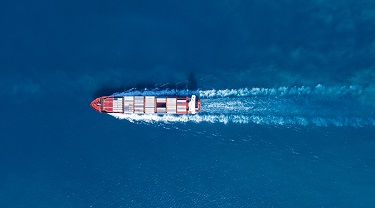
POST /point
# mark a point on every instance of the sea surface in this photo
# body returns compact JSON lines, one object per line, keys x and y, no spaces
{"x":287,"y":90}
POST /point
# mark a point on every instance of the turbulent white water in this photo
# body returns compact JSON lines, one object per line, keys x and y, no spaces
{"x":284,"y":91}
{"x":319,"y":105}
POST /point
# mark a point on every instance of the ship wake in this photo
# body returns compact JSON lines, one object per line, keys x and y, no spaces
{"x":319,"y":106}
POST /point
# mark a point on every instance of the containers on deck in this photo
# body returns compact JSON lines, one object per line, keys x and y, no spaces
{"x":146,"y":105}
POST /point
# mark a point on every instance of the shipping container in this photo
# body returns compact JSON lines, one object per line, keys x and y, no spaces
{"x":161,"y":110}
{"x":149,"y":101}
{"x":149,"y":110}
{"x":129,"y":104}
{"x":161,"y":100}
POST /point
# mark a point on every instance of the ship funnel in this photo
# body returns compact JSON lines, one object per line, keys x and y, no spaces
{"x":192,"y":104}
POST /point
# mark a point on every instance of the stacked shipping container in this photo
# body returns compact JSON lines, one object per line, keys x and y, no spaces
{"x":139,"y":104}
{"x":181,"y":106}
{"x":129,"y":104}
{"x":171,"y":105}
{"x":161,"y":105}
{"x":117,"y":105}
{"x":108,"y":104}
{"x":145,"y":104}
{"x":149,"y":104}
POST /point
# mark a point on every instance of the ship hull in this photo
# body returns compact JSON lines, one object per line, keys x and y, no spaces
{"x":146,"y":105}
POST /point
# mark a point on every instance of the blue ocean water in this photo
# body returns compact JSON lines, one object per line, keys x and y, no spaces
{"x":287,"y":91}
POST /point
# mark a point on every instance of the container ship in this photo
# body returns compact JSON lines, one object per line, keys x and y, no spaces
{"x":147,"y":105}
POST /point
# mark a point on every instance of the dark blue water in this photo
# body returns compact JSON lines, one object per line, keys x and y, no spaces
{"x":287,"y":92}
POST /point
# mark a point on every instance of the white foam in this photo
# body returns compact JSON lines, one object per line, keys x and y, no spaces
{"x":283,"y":91}
{"x":246,"y":119}
{"x":244,"y":92}
{"x":155,"y":92}
{"x":260,"y":105}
